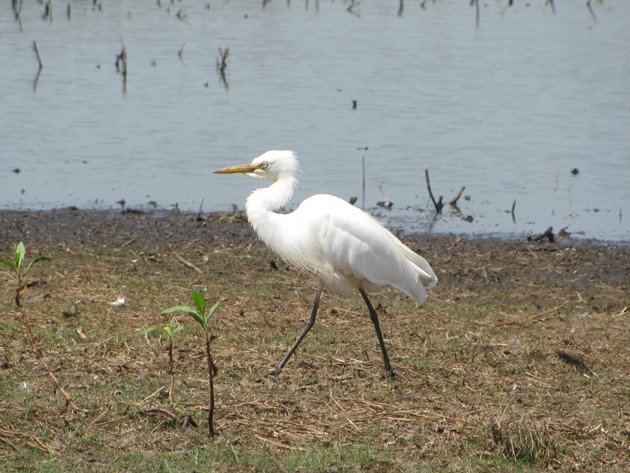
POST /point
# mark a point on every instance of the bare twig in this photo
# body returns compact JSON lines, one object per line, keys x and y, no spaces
{"x":48,"y":11}
{"x":222,"y":59}
{"x":121,"y":61}
{"x":187,"y":263}
{"x":477,"y":11}
{"x":437,"y":204}
{"x":199,"y":218}
{"x":17,"y":8}
{"x":39,"y":58}
{"x":591,"y":11}
{"x":453,"y":202}
{"x":222,"y":65}
{"x":42,"y":361}
{"x":210,"y":387}
{"x":121,"y":66}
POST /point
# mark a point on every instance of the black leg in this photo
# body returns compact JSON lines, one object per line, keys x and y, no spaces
{"x":389,"y":372}
{"x":278,"y":369}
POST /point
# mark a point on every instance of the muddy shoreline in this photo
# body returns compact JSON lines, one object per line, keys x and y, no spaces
{"x":584,"y":260}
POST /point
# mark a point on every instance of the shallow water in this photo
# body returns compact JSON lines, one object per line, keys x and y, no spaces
{"x":507,"y":109}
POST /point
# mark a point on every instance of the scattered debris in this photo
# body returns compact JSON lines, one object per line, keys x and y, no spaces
{"x":182,"y":420}
{"x":574,"y":360}
{"x":181,"y":259}
{"x":385,"y":203}
{"x":119,"y":302}
{"x":546,"y":235}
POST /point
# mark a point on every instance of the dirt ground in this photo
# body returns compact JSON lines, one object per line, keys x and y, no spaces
{"x":519,"y":361}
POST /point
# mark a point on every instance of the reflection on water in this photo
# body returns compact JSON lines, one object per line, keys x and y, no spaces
{"x":507,"y":109}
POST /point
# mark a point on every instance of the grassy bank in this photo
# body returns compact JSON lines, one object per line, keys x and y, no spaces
{"x":485,"y":375}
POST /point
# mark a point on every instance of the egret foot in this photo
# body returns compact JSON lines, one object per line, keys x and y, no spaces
{"x":274,"y":373}
{"x":389,"y":374}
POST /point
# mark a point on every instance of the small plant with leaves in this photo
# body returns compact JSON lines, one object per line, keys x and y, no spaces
{"x":167,"y":332}
{"x":202,"y":314}
{"x":18,"y":266}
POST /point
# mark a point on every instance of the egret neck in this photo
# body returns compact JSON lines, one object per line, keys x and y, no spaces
{"x":262,"y":205}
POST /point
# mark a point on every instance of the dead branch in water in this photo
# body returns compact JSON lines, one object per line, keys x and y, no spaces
{"x":121,"y":61}
{"x":222,"y":59}
{"x":17,"y":8}
{"x":121,"y":66}
{"x":437,"y":204}
{"x":477,"y":11}
{"x":222,"y":65}
{"x":48,"y":12}
{"x":590,"y":10}
{"x":39,"y":58}
{"x":39,"y":69}
{"x":453,"y":202}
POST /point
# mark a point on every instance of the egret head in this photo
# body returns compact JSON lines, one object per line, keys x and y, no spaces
{"x":271,"y":165}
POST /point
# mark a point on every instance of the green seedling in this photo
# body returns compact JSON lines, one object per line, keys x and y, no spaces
{"x":168,"y":333}
{"x":202,"y":314}
{"x":17,"y":265}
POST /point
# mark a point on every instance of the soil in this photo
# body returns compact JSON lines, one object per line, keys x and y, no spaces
{"x":585,"y":260}
{"x":519,"y":360}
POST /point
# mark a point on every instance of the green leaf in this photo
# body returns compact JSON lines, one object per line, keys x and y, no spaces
{"x":36,"y":260}
{"x":200,"y":301}
{"x":186,"y":310}
{"x":215,"y":307}
{"x":155,"y":329}
{"x":18,"y":254}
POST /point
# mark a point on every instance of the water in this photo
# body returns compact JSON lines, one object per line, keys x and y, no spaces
{"x":507,"y":109}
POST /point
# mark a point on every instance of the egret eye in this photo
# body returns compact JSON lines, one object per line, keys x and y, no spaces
{"x":264,"y":165}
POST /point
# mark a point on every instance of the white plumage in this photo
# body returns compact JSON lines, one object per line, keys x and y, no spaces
{"x":342,"y":245}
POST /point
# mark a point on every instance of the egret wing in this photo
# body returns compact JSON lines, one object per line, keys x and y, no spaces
{"x":359,"y":247}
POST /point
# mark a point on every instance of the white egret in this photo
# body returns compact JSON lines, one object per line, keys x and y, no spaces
{"x":342,"y":245}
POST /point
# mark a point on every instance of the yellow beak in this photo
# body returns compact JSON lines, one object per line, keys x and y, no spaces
{"x":243,"y":169}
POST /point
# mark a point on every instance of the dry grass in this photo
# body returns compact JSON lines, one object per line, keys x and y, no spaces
{"x":480,"y":385}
